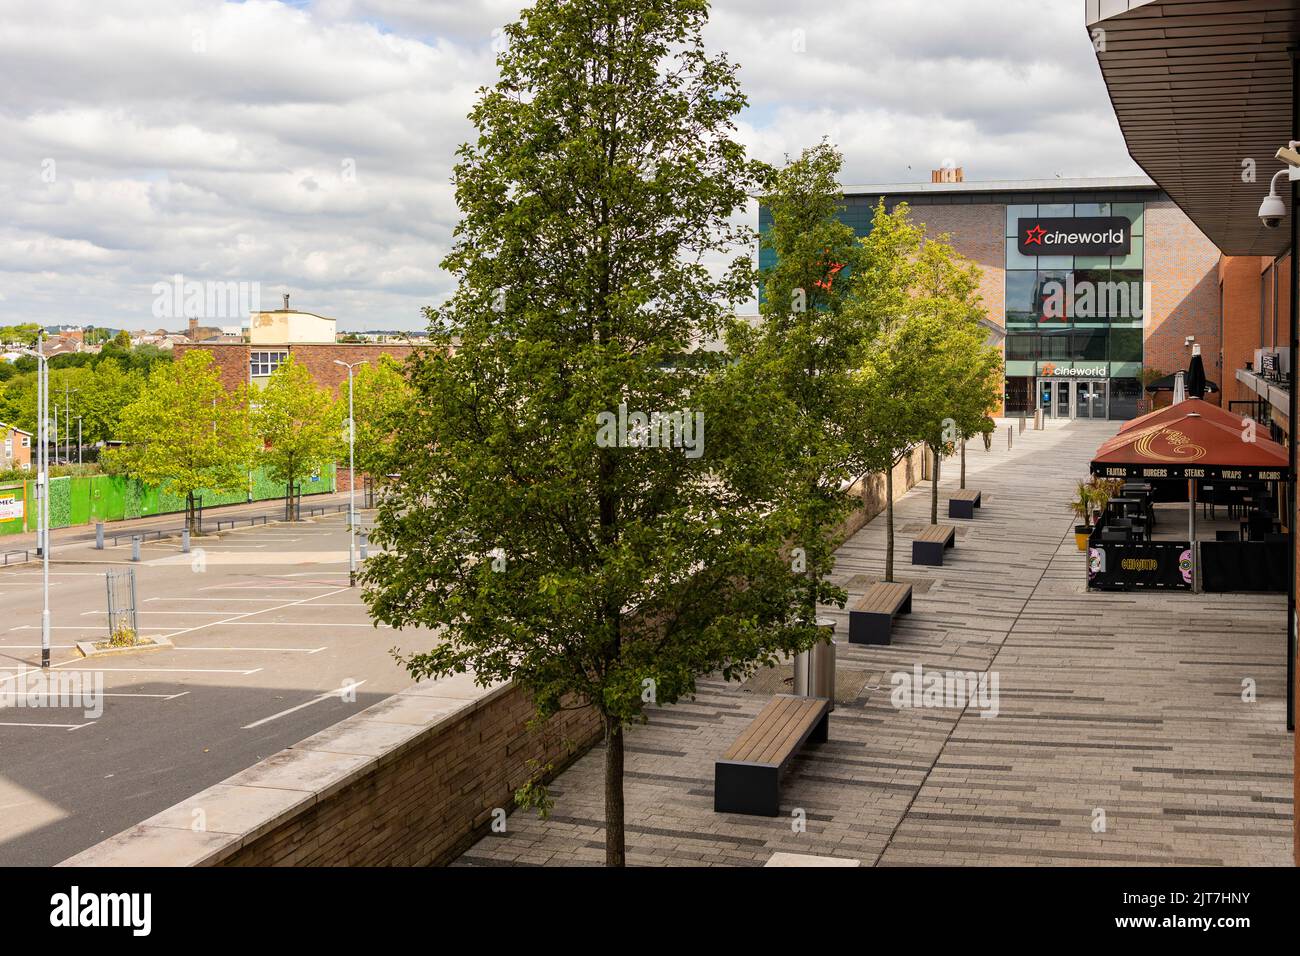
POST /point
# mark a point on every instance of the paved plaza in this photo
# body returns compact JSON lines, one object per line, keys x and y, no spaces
{"x":1121,"y":734}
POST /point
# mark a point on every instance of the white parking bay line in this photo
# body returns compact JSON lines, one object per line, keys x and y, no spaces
{"x":183,"y":670}
{"x":51,"y":726}
{"x":290,"y":650}
{"x":238,"y":617}
{"x":303,"y":623}
{"x":85,"y":613}
{"x":315,"y":700}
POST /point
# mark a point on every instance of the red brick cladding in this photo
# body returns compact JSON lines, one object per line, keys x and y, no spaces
{"x":1183,"y":282}
{"x":977,"y":233}
{"x":232,"y":359}
{"x":1239,"y":283}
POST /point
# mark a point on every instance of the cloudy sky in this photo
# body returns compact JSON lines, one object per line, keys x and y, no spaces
{"x":307,"y":146}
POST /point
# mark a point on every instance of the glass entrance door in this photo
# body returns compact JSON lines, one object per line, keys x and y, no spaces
{"x":1062,"y":409}
{"x":1090,"y":399}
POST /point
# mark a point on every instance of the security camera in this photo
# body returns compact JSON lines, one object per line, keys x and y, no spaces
{"x":1288,"y":154}
{"x":1272,"y":210}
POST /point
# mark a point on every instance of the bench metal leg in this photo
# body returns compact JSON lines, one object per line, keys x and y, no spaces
{"x":821,"y":733}
{"x":961,"y":509}
{"x":928,"y":553}
{"x":869,"y":627}
{"x":747,"y":788}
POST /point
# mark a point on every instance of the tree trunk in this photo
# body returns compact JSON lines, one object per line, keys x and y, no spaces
{"x":934,"y":486}
{"x":615,"y":852}
{"x":963,"y":464}
{"x":190,"y":514}
{"x":889,"y":524}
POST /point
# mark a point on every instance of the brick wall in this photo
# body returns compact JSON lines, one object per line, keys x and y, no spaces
{"x":232,"y":359}
{"x":427,"y":802}
{"x":1239,"y":279}
{"x":977,"y":232}
{"x":1182,"y":274}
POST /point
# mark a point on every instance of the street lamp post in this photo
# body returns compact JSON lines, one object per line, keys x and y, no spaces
{"x":352,"y":479}
{"x":43,"y":483}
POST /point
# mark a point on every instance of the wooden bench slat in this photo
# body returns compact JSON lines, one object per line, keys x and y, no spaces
{"x":782,"y":747}
{"x":756,"y":727}
{"x":769,"y":723}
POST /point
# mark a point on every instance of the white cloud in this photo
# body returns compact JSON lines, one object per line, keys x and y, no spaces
{"x":309,"y":147}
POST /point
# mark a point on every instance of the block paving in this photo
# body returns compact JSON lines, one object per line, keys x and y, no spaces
{"x":1120,"y":708}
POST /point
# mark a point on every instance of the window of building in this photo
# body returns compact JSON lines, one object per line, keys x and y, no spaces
{"x":262,"y":364}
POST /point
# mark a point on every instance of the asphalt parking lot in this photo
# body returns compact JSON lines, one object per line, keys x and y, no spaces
{"x":270,"y":646}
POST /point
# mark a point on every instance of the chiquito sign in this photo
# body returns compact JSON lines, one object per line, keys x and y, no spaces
{"x":1087,"y":236}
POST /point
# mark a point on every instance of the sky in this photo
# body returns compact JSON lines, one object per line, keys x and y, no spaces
{"x":306,"y":147}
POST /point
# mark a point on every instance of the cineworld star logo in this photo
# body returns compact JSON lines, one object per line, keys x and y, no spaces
{"x":1081,"y":236}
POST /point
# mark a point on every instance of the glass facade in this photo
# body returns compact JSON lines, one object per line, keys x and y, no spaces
{"x":1072,"y":320}
{"x":1073,"y":323}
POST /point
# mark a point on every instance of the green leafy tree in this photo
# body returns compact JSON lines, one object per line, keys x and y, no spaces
{"x":380,"y":395}
{"x":186,"y":433}
{"x":801,"y":360}
{"x":299,"y":424}
{"x":25,"y":333}
{"x":550,"y":545}
{"x":961,"y":370}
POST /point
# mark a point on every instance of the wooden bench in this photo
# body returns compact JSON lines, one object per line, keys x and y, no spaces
{"x":748,"y":777}
{"x":963,"y":503}
{"x":871,"y":619}
{"x":929,"y":545}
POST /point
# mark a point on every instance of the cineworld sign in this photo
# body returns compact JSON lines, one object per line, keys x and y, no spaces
{"x":1087,"y":236}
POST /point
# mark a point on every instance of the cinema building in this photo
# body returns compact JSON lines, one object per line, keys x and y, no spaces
{"x":1086,"y":281}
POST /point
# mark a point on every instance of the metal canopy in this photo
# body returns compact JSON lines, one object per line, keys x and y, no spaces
{"x":1199,"y":86}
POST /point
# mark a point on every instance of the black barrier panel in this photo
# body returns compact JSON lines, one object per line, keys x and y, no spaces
{"x":1113,"y":566}
{"x":1244,"y":566}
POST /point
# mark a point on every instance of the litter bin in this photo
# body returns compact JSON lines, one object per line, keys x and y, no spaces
{"x":814,"y":669}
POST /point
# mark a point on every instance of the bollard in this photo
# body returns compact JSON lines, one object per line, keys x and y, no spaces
{"x":135,"y":547}
{"x":1022,"y":424}
{"x":1010,"y":430}
{"x":99,"y":536}
{"x":185,"y":541}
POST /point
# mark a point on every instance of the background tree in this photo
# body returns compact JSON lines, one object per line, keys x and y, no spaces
{"x":380,"y":393}
{"x":595,"y":573}
{"x":801,"y":359}
{"x":300,"y":426}
{"x":186,"y":433}
{"x":895,"y":399}
{"x":959,"y":366}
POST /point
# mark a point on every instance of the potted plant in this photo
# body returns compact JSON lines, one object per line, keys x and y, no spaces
{"x":1081,"y":505}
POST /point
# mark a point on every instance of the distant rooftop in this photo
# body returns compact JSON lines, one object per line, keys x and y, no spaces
{"x":1004,"y":185}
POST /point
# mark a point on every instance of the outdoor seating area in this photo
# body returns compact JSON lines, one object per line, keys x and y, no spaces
{"x":748,"y":777}
{"x":872,"y":617}
{"x":1105,"y":701}
{"x":963,"y":502}
{"x":929,"y":545}
{"x":1163,"y":465}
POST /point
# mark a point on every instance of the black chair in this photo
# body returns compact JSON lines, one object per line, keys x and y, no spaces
{"x":1258,"y":524}
{"x":1119,"y":523}
{"x":1227,"y":536}
{"x":1275,"y":536}
{"x":1114,"y":537}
